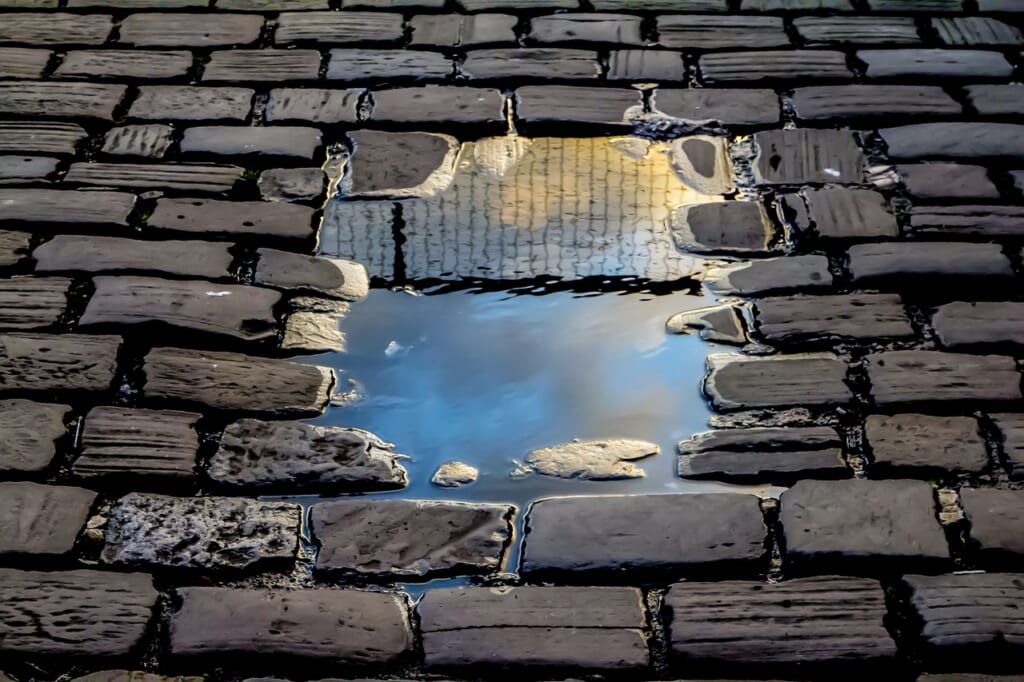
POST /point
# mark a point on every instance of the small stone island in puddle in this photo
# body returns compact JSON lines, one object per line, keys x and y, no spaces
{"x":454,"y":475}
{"x":589,"y":460}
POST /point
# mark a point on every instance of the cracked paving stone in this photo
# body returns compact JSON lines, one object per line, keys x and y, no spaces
{"x":703,"y":163}
{"x":722,"y":227}
{"x":438,"y":103}
{"x":644,"y":533}
{"x":573,"y":104}
{"x":263,"y":65}
{"x":856,"y":316}
{"x":797,"y":157}
{"x":597,"y":628}
{"x":348,"y":626}
{"x":1011,"y":427}
{"x":995,"y":517}
{"x":386,"y":164}
{"x":55,"y":28}
{"x":297,"y":456}
{"x":776,"y":455}
{"x":871,"y":524}
{"x":32,"y":302}
{"x":889,"y":260}
{"x":861,"y":101}
{"x":589,"y":460}
{"x":50,"y":138}
{"x":117,"y":441}
{"x":857,"y":30}
{"x":63,"y":206}
{"x":314,"y":105}
{"x":188,"y":103}
{"x":461,"y":30}
{"x":537,"y":62}
{"x":709,"y":32}
{"x":167,"y":29}
{"x":915,"y":443}
{"x":738,"y":382}
{"x":410,"y":538}
{"x":725,"y":107}
{"x":104,"y":613}
{"x":174,"y":176}
{"x":621,"y":29}
{"x":28,"y":434}
{"x":41,"y":520}
{"x":52,"y":362}
{"x":352,"y":65}
{"x":210,"y":216}
{"x":770,"y":274}
{"x":332,"y":277}
{"x":843,"y":213}
{"x":986,"y":322}
{"x":266,"y":141}
{"x":774,"y":65}
{"x":929,"y":63}
{"x":23,"y":62}
{"x":206,"y":533}
{"x":84,"y":253}
{"x":138,"y":140}
{"x":820,"y":620}
{"x":232,"y":381}
{"x":645,"y":65}
{"x":149,"y":64}
{"x":955,"y":140}
{"x":902,"y":376}
{"x":990,"y":220}
{"x":338,"y":28}
{"x":947,"y":180}
{"x":292,"y":184}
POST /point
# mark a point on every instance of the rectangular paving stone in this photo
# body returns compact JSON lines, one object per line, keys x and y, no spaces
{"x":1011,"y":427}
{"x":438,"y":103}
{"x":264,"y":65}
{"x":168,"y":29}
{"x":147,"y":141}
{"x":774,"y":65}
{"x":209,"y":216}
{"x":645,"y":65}
{"x":411,"y":538}
{"x":927,"y":259}
{"x":909,"y":443}
{"x":330,"y":625}
{"x":857,"y":30}
{"x":862,"y":101}
{"x":690,"y":532}
{"x":60,"y":99}
{"x":32,"y":302}
{"x":100,"y":612}
{"x":356,"y":64}
{"x":118,"y":441}
{"x":925,"y":63}
{"x":62,"y":206}
{"x":55,"y":28}
{"x":921,"y":375}
{"x":84,"y":253}
{"x":770,"y":274}
{"x":17,"y":169}
{"x":821,"y":620}
{"x":28,"y":431}
{"x":947,"y":180}
{"x":853,"y":316}
{"x":739,"y":382}
{"x":549,"y":103}
{"x":187,"y":103}
{"x":57,"y":362}
{"x":312,"y":104}
{"x":292,"y":184}
{"x":842,"y":213}
{"x":711,"y":32}
{"x":976,"y":31}
{"x":797,"y":157}
{"x":23,"y":62}
{"x":954,"y":140}
{"x":14,"y":246}
{"x":793,"y":5}
{"x":50,"y":138}
{"x":963,"y":323}
{"x":149,"y":64}
{"x":270,"y":5}
{"x":241,"y":140}
{"x":991,"y":220}
{"x":331,"y":277}
{"x":919,"y":5}
{"x":995,"y":517}
{"x":597,"y":628}
{"x":995,"y":100}
{"x":192,"y":177}
{"x":727,"y":107}
{"x":232,"y":381}
{"x":622,"y":29}
{"x":41,"y":520}
{"x":538,"y":62}
{"x":337,"y":28}
{"x":138,"y":4}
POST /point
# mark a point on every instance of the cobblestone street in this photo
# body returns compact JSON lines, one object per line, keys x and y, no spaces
{"x":196,"y":196}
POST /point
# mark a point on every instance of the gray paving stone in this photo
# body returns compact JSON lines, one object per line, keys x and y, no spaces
{"x":857,"y":30}
{"x":621,"y":29}
{"x":32,"y":302}
{"x":28,"y":431}
{"x":947,"y":180}
{"x":722,"y":227}
{"x":924,"y":63}
{"x":477,"y":5}
{"x":548,"y":103}
{"x":209,"y":216}
{"x":55,"y":28}
{"x":206,"y":533}
{"x":14,"y":246}
{"x":954,"y":139}
{"x":338,"y":28}
{"x":852,"y":316}
{"x":60,"y":99}
{"x":823,"y":620}
{"x":645,"y":65}
{"x":598,"y":628}
{"x":462,"y":30}
{"x":739,"y":382}
{"x":232,"y":381}
{"x":920,"y":375}
{"x":927,"y":259}
{"x":191,"y":177}
{"x":60,"y":206}
{"x":844,"y":213}
{"x":398,"y":164}
{"x":270,"y":5}
{"x":711,"y":32}
{"x":1011,"y":426}
{"x":985,"y":322}
{"x":50,"y":138}
{"x":995,"y":517}
{"x":118,"y":441}
{"x":100,"y":612}
{"x":792,"y":5}
{"x":316,"y":105}
{"x":264,"y":65}
{"x":328,"y":625}
{"x":919,"y":5}
{"x":438,"y":103}
{"x":859,"y":523}
{"x":41,"y":520}
{"x":774,"y":65}
{"x":167,"y":29}
{"x":296,"y":456}
{"x":329,"y":276}
{"x":19,"y":169}
{"x":149,"y":64}
{"x":292,"y":184}
{"x":994,"y":100}
{"x":990,"y":220}
{"x":976,"y":31}
{"x":151,"y":140}
{"x":797,"y":157}
{"x":728,"y":107}
{"x":690,"y":532}
{"x":999,"y":6}
{"x":910,"y":443}
{"x":353,"y":65}
{"x":345,"y":4}
{"x":105,"y":254}
{"x":23,"y":62}
{"x":57,"y":362}
{"x":536,"y":62}
{"x":133,"y":675}
{"x":138,"y":4}
{"x":187,"y":103}
{"x":862,"y":101}
{"x":769,"y":274}
{"x":34,"y":4}
{"x":293,"y":141}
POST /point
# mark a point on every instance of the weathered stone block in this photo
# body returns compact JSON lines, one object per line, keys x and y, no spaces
{"x":265,"y":141}
{"x":758,"y":276}
{"x":927,"y":259}
{"x":645,"y":65}
{"x":263,"y":65}
{"x":622,"y":29}
{"x":60,"y":99}
{"x":797,"y":157}
{"x":844,"y":213}
{"x":462,"y":30}
{"x":763,"y":454}
{"x":27,"y":434}
{"x":192,"y":177}
{"x":50,"y":138}
{"x":41,"y":519}
{"x":531,"y":62}
{"x":711,"y":32}
{"x":32,"y":302}
{"x":774,"y":65}
{"x":23,"y":62}
{"x":738,"y":382}
{"x":84,"y":253}
{"x":912,"y":442}
{"x":338,"y":28}
{"x":947,"y":180}
{"x":316,"y":105}
{"x":984,"y":219}
{"x":986,"y":322}
{"x":1011,"y":427}
{"x":722,"y":227}
{"x":955,"y":140}
{"x":995,"y":517}
{"x":857,"y":316}
{"x":923,"y":63}
{"x":547,"y":103}
{"x":862,"y":101}
{"x":726,"y":107}
{"x":166,"y":29}
{"x":187,"y":103}
{"x":55,"y":28}
{"x":52,"y":362}
{"x":329,"y":276}
{"x":149,"y":64}
{"x":357,"y":64}
{"x":399,"y":164}
{"x":117,"y":441}
{"x":438,"y":103}
{"x":857,"y":30}
{"x":921,"y":375}
{"x":233,"y":217}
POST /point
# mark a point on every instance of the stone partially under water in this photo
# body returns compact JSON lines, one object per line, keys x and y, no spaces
{"x":590,"y":459}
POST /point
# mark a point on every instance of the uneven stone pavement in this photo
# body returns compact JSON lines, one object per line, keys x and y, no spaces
{"x":847,"y":174}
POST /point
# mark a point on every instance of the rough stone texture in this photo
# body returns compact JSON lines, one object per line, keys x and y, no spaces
{"x":55,"y":28}
{"x":292,"y":184}
{"x":699,"y":32}
{"x":67,"y":612}
{"x":138,"y":140}
{"x":726,"y":107}
{"x":796,"y":157}
{"x":410,"y":538}
{"x":205,"y":533}
{"x":759,"y":66}
{"x":594,"y":460}
{"x":194,"y":30}
{"x":738,"y":382}
{"x":1012,"y":428}
{"x":947,"y":180}
{"x":188,"y":103}
{"x":233,"y":217}
{"x":297,"y":456}
{"x":117,"y":441}
{"x":148,"y":64}
{"x":271,"y":66}
{"x":810,"y":620}
{"x":173,"y":176}
{"x":14,"y":246}
{"x":873,"y":524}
{"x":232,"y":381}
{"x":336,"y":626}
{"x":461,"y":30}
{"x":722,"y":227}
{"x":982,"y":219}
{"x":354,"y":65}
{"x":41,"y":519}
{"x":622,"y":29}
{"x":454,"y":475}
{"x":568,"y":535}
{"x":399,"y":164}
{"x":59,"y":206}
{"x":105,"y":254}
{"x":921,"y":375}
{"x":912,"y":442}
{"x":269,"y":141}
{"x":32,"y":303}
{"x":843,"y":213}
{"x":857,"y":30}
{"x":338,"y":28}
{"x":961,"y":323}
{"x":50,"y":362}
{"x":316,"y":105}
{"x":858,"y":316}
{"x":597,"y":628}
{"x":992,"y":100}
{"x":50,"y":138}
{"x":23,"y":62}
{"x":27,"y":433}
{"x":935,"y":63}
{"x":862,"y":101}
{"x":927,"y":259}
{"x":438,"y":103}
{"x":758,"y":276}
{"x":547,"y":103}
{"x":954,"y":140}
{"x":329,"y":276}
{"x":645,"y":65}
{"x":537,"y":62}
{"x":995,"y":517}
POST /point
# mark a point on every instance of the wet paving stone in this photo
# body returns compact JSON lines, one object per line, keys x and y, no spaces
{"x":138,"y":140}
{"x":954,"y":140}
{"x":438,"y":103}
{"x":1011,"y":426}
{"x":55,"y":28}
{"x":908,"y":444}
{"x":265,"y":65}
{"x":32,"y":303}
{"x":738,"y":382}
{"x":60,"y":206}
{"x":312,"y":332}
{"x":859,"y":525}
{"x":648,"y":533}
{"x":232,"y":381}
{"x":50,"y":138}
{"x":410,"y":538}
{"x":770,"y":274}
{"x":60,"y":99}
{"x":935,"y":64}
{"x":41,"y":519}
{"x":995,"y":100}
{"x":703,"y":163}
{"x":23,"y":62}
{"x":122,"y":442}
{"x":338,"y":28}
{"x":558,"y":103}
{"x":332,"y":277}
{"x":947,"y":180}
{"x":797,"y":157}
{"x":889,"y":260}
{"x":727,"y":227}
{"x":166,"y":29}
{"x":292,"y":184}
{"x":844,"y":102}
{"x":57,"y":362}
{"x":717,"y":32}
{"x":842,"y":213}
{"x":858,"y":316}
{"x":976,"y":31}
{"x":771,"y":65}
{"x":823,"y":620}
{"x":83,"y":253}
{"x":589,"y":460}
{"x":622,"y":29}
{"x":995,"y":517}
{"x":293,"y":141}
{"x":462,"y":30}
{"x":596,"y":628}
{"x":302,"y":457}
{"x":339,"y":626}
{"x":314,"y":105}
{"x":986,"y":322}
{"x":986,"y":219}
{"x":921,"y":375}
{"x":149,"y":64}
{"x":172,"y":176}
{"x":24,"y":169}
{"x":645,"y":65}
{"x":209,"y":217}
{"x":66,"y":612}
{"x":14,"y":246}
{"x":536,"y":62}
{"x":204,"y":533}
{"x":359,"y":64}
{"x":857,"y":30}
{"x":399,"y":164}
{"x":188,"y":103}
{"x":28,"y":431}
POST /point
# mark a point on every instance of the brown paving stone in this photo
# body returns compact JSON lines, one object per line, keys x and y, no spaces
{"x":41,"y":519}
{"x":55,"y":28}
{"x":721,"y":227}
{"x":61,"y":206}
{"x":1011,"y":426}
{"x":117,"y":441}
{"x":597,"y":628}
{"x":927,"y":259}
{"x":316,"y":105}
{"x":51,"y":362}
{"x":621,"y":29}
{"x":13,"y":246}
{"x":294,"y":141}
{"x":537,"y":62}
{"x":55,"y":99}
{"x":331,"y":625}
{"x":914,"y":442}
{"x":51,"y":138}
{"x":644,"y":533}
{"x":438,"y":103}
{"x":149,"y":64}
{"x":860,"y":101}
{"x":844,"y":213}
{"x":332,"y":277}
{"x":206,"y":533}
{"x":547,"y":103}
{"x":351,"y":65}
{"x":151,"y":140}
{"x":976,"y":31}
{"x":399,"y":164}
{"x":28,"y":431}
{"x":991,"y":220}
{"x":857,"y":316}
{"x":857,"y":30}
{"x":728,"y":107}
{"x":18,"y":169}
{"x":794,"y":157}
{"x":737,"y":382}
{"x":412,"y":538}
{"x":925,"y":63}
{"x":314,"y":332}
{"x":263,"y":65}
{"x":105,"y":254}
{"x":292,"y":184}
{"x":774,"y":65}
{"x":103,"y":613}
{"x":209,"y":216}
{"x":645,"y":65}
{"x":187,"y":103}
{"x":947,"y":180}
{"x":232,"y":381}
{"x":992,"y":100}
{"x":711,"y":32}
{"x":461,"y":30}
{"x":338,"y":28}
{"x":955,"y":140}
{"x":192,"y":177}
{"x":995,"y":517}
{"x":167,"y":29}
{"x":824,"y":620}
{"x":758,"y":276}
{"x":32,"y":302}
{"x":921,"y":375}
{"x":962,"y":323}
{"x":23,"y":62}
